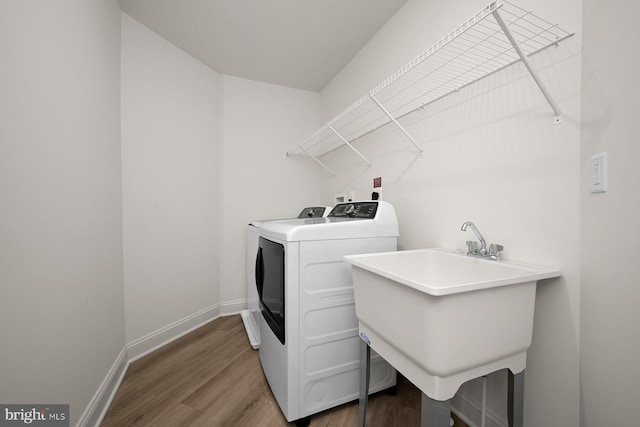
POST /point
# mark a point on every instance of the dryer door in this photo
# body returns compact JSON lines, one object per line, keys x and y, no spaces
{"x":270,"y":282}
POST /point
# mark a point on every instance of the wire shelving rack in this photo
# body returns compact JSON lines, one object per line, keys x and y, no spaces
{"x":496,"y":37}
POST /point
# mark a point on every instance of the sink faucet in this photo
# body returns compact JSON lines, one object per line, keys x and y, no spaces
{"x":483,"y":243}
{"x":494,"y":249}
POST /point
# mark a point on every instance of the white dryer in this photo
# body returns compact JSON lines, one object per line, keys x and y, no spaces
{"x":309,"y":347}
{"x":251,"y":316}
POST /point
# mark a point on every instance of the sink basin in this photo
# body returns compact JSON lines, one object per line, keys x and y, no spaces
{"x":443,"y":318}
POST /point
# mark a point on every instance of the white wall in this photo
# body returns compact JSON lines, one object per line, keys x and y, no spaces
{"x":62,"y":308}
{"x":522,"y":180}
{"x":610,"y":341}
{"x":170,"y":177}
{"x":492,"y":156}
{"x":261,"y":122}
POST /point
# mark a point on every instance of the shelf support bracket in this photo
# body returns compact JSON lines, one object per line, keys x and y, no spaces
{"x":317,"y":160}
{"x":402,"y":129}
{"x":527,"y":64}
{"x":350,"y":146}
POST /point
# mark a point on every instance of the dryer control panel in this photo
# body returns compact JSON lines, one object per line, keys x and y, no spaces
{"x":363,"y":210}
{"x":312,"y":212}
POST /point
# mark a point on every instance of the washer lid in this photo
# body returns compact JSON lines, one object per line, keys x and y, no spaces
{"x":383,"y":224}
{"x":308,"y":212}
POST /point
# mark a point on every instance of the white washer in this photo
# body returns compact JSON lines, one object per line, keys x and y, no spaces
{"x":309,"y":331}
{"x":251,"y":316}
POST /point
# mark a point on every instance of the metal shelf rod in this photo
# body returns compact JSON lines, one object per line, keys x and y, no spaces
{"x":350,"y":146}
{"x":318,"y":160}
{"x":527,"y":64}
{"x":402,"y":129}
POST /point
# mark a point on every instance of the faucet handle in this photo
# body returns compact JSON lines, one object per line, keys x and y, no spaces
{"x":495,"y":249}
{"x":473,"y":246}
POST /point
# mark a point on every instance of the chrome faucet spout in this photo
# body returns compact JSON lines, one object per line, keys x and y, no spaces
{"x":483,"y":243}
{"x":494,"y":249}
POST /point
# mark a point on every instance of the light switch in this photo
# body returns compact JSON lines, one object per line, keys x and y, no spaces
{"x":599,"y":173}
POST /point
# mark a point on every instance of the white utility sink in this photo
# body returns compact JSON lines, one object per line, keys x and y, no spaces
{"x":443,"y":318}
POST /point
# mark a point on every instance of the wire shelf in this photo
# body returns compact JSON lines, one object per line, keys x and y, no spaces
{"x":497,"y":36}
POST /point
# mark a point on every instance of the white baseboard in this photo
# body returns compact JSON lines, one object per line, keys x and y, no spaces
{"x":153,"y":341}
{"x":99,"y":404}
{"x":233,"y":307}
{"x":470,"y":411}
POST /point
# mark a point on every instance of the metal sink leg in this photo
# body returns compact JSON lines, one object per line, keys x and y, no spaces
{"x":435,"y":413}
{"x":365,"y":371}
{"x":515,"y":405}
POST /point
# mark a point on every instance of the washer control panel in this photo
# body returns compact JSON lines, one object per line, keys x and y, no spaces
{"x":362,"y":210}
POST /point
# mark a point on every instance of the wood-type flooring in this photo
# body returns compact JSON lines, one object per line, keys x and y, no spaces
{"x":212,"y":377}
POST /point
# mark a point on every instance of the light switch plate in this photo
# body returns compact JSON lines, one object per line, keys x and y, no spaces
{"x":599,"y":173}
